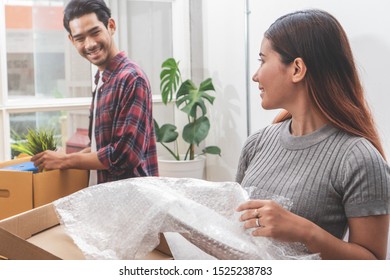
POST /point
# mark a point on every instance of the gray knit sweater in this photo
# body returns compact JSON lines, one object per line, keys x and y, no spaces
{"x":328,"y":175}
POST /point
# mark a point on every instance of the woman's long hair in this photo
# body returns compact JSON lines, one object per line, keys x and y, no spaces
{"x":332,"y":79}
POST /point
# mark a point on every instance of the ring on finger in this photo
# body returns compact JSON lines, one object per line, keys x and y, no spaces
{"x":258,"y":223}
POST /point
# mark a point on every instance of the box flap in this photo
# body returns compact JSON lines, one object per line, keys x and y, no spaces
{"x":31,"y":222}
{"x":163,"y":246}
{"x":37,"y":235}
{"x":15,"y":248}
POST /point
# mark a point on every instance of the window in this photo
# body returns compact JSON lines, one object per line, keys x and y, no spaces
{"x":45,"y":83}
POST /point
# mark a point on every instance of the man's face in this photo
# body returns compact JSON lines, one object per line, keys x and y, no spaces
{"x":93,"y":40}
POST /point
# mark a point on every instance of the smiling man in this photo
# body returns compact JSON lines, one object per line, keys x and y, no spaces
{"x":121,"y":122}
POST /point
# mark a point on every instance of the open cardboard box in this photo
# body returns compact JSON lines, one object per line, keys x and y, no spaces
{"x":22,"y":190}
{"x":38,"y":235}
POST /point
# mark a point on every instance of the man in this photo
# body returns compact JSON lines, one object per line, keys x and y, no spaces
{"x":122,"y":135}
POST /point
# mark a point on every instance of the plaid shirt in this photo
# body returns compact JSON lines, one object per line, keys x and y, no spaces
{"x":124,"y":128}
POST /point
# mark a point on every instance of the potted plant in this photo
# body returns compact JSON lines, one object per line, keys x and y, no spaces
{"x":191,"y":100}
{"x":34,"y":142}
{"x":37,"y":141}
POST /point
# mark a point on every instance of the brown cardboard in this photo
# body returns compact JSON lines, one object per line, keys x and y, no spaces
{"x":51,"y":185}
{"x":15,"y":248}
{"x":21,"y":191}
{"x":31,"y":222}
{"x":37,"y":235}
{"x":14,"y":232}
{"x":16,"y":193}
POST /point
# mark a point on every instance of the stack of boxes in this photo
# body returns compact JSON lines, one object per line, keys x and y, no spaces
{"x":22,"y":188}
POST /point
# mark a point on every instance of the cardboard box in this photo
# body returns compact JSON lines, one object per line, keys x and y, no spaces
{"x":37,"y":235}
{"x":22,"y":190}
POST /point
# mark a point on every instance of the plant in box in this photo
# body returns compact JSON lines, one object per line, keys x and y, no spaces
{"x":36,"y":141}
{"x":190,"y":99}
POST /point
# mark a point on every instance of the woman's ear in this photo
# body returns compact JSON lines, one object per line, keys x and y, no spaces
{"x":299,"y":70}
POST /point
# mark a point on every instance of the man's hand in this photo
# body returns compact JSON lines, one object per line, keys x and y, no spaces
{"x":49,"y":160}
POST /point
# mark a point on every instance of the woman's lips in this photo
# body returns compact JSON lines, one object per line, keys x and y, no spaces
{"x":261,"y":92}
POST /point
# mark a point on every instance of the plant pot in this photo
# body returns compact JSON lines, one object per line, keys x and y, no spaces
{"x":169,"y":167}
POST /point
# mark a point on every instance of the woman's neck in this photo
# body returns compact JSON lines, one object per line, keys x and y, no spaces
{"x":306,"y":123}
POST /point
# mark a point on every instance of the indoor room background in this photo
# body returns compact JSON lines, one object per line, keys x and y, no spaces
{"x":44,"y":82}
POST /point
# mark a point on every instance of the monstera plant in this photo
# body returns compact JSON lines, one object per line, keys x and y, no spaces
{"x":191,"y":100}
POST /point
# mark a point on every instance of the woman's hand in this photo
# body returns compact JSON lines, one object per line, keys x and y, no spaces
{"x":367,"y":239}
{"x":269,"y":219}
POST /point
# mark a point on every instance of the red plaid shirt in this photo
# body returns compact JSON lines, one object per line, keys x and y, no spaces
{"x":124,"y":129}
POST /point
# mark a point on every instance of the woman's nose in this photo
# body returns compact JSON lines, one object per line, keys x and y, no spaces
{"x":254,"y":77}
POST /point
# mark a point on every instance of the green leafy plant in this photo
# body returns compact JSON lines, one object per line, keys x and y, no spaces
{"x":190,"y":99}
{"x":36,"y":141}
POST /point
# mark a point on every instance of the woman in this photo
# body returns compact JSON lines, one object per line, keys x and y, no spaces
{"x":325,"y":155}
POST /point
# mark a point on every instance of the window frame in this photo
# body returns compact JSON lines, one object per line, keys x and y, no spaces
{"x":181,"y":51}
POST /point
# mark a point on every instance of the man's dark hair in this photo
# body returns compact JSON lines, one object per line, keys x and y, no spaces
{"x":78,"y":8}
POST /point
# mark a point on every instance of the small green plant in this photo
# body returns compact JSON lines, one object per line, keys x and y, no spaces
{"x":190,"y":100}
{"x":36,"y":141}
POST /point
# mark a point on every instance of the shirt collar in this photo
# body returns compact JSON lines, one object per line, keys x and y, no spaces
{"x":112,"y":65}
{"x":291,"y":142}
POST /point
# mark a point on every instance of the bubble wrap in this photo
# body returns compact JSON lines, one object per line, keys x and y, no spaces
{"x":123,"y":219}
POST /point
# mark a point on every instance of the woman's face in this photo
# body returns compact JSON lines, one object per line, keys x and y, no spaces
{"x":274,"y":78}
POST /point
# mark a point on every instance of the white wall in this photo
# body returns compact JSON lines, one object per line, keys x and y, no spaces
{"x":224,"y":61}
{"x":366,"y":23}
{"x":368,"y":27}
